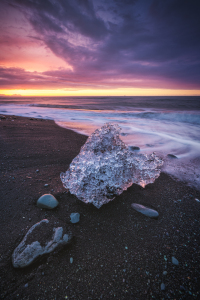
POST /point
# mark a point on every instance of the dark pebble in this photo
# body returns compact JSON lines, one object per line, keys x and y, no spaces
{"x":134,"y":148}
{"x":172,"y":156}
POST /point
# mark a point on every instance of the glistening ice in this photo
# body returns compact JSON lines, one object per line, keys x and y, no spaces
{"x":105,"y":167}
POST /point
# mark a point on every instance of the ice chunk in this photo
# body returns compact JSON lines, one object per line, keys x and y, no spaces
{"x":105,"y":167}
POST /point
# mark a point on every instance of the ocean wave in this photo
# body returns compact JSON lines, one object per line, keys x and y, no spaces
{"x":188,"y":117}
{"x":192,"y":117}
{"x":65,"y":106}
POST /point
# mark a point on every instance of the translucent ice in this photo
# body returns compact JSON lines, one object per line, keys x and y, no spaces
{"x":105,"y":167}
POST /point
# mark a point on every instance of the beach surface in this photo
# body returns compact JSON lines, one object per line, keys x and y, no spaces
{"x":117,"y":252}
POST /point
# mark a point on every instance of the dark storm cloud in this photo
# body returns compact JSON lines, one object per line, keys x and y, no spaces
{"x":76,"y":16}
{"x":121,"y":40}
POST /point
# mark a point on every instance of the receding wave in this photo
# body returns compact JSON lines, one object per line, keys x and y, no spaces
{"x":192,"y":118}
{"x":184,"y":117}
{"x":63,"y":106}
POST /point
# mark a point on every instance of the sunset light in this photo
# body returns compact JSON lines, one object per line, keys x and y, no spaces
{"x":99,"y":92}
{"x":98,"y":48}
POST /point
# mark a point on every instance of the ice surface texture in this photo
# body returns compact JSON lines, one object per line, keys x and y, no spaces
{"x":105,"y":167}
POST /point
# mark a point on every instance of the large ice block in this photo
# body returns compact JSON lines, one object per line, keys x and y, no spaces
{"x":105,"y":167}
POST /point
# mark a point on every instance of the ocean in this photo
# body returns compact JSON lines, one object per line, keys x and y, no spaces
{"x":165,"y":125}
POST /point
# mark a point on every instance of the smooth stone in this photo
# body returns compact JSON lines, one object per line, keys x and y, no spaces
{"x":162,"y":286}
{"x":172,"y":156}
{"x":134,"y":148}
{"x":47,"y":201}
{"x":75,"y":217}
{"x":145,"y":210}
{"x":175,"y":261}
{"x":30,"y":248}
{"x":164,"y":272}
{"x":71,"y":260}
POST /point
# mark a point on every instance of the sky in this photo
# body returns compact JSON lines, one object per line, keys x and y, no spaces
{"x":99,"y":47}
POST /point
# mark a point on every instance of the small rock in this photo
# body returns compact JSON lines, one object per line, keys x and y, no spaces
{"x":123,"y":134}
{"x":46,"y":184}
{"x":75,"y":217}
{"x":162,"y":286}
{"x":26,"y":285}
{"x":197,"y":200}
{"x":164,"y":272}
{"x":37,"y":243}
{"x":37,"y":171}
{"x":172,"y":156}
{"x":47,"y":201}
{"x":71,"y":260}
{"x":175,"y":261}
{"x":145,"y":210}
{"x":134,"y":148}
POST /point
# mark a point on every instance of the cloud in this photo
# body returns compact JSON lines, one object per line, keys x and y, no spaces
{"x":115,"y":43}
{"x":16,"y":78}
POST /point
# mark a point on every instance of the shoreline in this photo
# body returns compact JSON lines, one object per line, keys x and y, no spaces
{"x":117,"y":253}
{"x":182,"y":143}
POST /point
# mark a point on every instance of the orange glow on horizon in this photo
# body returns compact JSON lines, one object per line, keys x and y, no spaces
{"x":99,"y":92}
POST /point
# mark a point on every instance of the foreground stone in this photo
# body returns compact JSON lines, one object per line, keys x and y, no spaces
{"x":171,"y":156}
{"x":75,"y":217}
{"x":105,"y":168}
{"x":162,"y":286}
{"x":151,"y":213}
{"x":41,"y":239}
{"x":175,"y":261}
{"x":134,"y":148}
{"x":47,"y":201}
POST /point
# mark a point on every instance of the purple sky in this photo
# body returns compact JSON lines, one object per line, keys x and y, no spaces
{"x":99,"y":44}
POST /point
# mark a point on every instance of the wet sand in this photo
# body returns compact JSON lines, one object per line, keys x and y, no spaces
{"x":117,"y":252}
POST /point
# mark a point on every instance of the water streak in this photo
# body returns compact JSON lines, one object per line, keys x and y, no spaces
{"x":154,"y":124}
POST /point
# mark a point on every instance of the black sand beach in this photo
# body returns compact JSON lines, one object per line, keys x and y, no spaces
{"x":117,"y":252}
